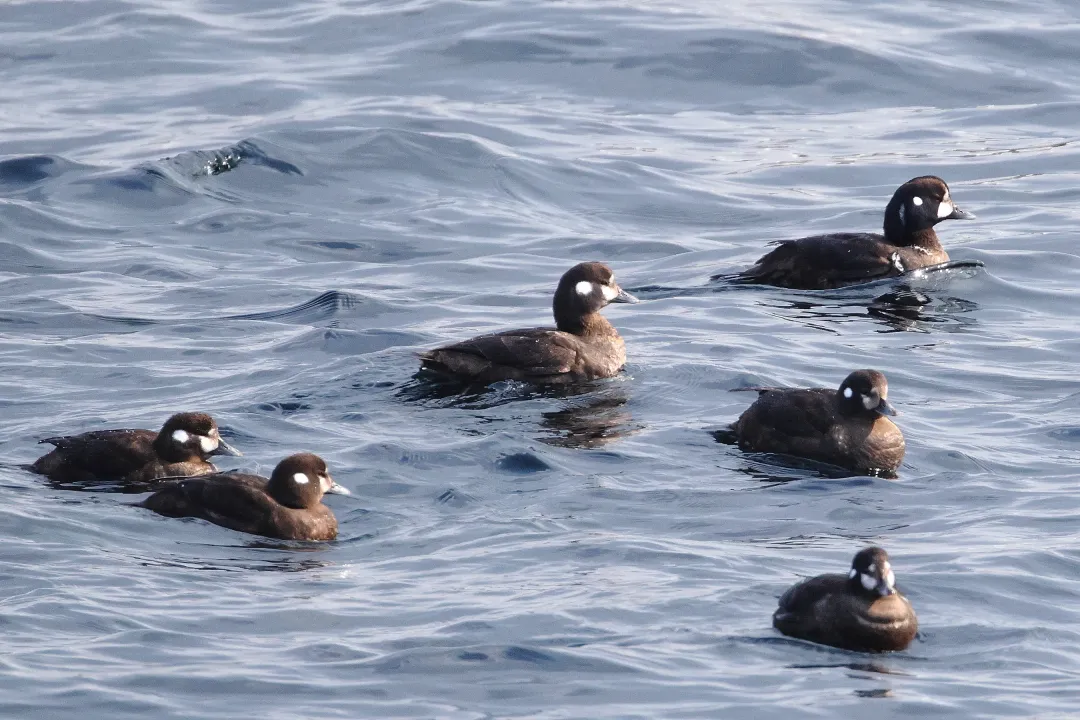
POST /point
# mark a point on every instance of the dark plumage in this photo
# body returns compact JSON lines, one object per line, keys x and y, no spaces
{"x":287,"y":506}
{"x":582,"y":346}
{"x":842,"y":427}
{"x":859,"y":611}
{"x":180,"y":448}
{"x":830,"y":261}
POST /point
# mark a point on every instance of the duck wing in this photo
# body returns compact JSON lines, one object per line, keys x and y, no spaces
{"x":821,"y":262}
{"x":535,"y":351}
{"x":106,"y":453}
{"x":233,"y":500}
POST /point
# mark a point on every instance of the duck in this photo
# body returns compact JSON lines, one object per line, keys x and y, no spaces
{"x":909,"y":242}
{"x":181,"y":448}
{"x":861,"y":611}
{"x":846,"y":427}
{"x":287,"y":506}
{"x":583,"y":345}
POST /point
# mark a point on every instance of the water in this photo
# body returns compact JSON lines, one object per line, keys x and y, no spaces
{"x":265,"y":210}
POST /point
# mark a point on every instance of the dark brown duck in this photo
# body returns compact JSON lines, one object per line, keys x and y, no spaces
{"x":844,"y":427}
{"x":860,"y":611}
{"x":288,"y":506}
{"x":180,"y":448}
{"x":583,"y":345}
{"x":829,"y":261}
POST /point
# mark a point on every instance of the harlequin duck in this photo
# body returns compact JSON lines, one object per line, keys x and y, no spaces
{"x":830,"y":261}
{"x":859,"y":611}
{"x":288,"y":506}
{"x":583,"y":346}
{"x":180,"y":448}
{"x":843,"y":427}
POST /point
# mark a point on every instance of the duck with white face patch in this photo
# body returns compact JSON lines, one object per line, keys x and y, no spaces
{"x":909,"y":242}
{"x":860,"y":611}
{"x":287,"y":506}
{"x":583,"y":345}
{"x":845,"y":427}
{"x":182,"y":447}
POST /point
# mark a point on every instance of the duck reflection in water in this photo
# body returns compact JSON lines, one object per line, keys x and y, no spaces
{"x":597,"y":421}
{"x":901,"y":309}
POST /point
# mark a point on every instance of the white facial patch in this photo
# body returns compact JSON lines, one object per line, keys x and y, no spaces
{"x":853,"y":573}
{"x":180,"y":436}
{"x":301,"y":479}
{"x":848,"y":393}
{"x":208,"y":444}
{"x":869,"y":403}
{"x":945,"y":209}
{"x":867,"y":581}
{"x":584,"y":288}
{"x":916,"y":201}
{"x":610,"y":293}
{"x":325,"y":483}
{"x":890,"y":579}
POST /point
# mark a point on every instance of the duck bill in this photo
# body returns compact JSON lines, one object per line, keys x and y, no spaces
{"x":958,"y":214}
{"x":884,"y":408}
{"x":225,"y":448}
{"x":336,"y":489}
{"x":624,"y":297}
{"x":884,"y":589}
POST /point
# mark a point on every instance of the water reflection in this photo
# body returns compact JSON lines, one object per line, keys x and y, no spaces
{"x":901,"y":309}
{"x":914,"y":302}
{"x":592,"y":424}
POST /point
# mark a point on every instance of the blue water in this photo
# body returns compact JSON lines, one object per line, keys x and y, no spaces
{"x":264,"y":210}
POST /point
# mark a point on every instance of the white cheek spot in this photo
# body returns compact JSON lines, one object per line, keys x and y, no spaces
{"x":848,"y":393}
{"x":945,"y":209}
{"x":208,"y":444}
{"x":301,"y":479}
{"x":180,"y":436}
{"x":916,"y":201}
{"x":610,"y":293}
{"x":853,"y":573}
{"x":867,"y":581}
{"x":869,"y":404}
{"x":584,"y":288}
{"x":890,"y":579}
{"x":872,"y":567}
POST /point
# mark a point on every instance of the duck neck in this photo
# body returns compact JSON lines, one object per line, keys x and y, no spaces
{"x":167,"y":449}
{"x":593,"y":324}
{"x":897,"y":234}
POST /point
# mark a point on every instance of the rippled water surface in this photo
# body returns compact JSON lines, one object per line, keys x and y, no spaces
{"x":264,"y":210}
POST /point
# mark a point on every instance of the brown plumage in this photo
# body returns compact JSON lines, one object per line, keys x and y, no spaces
{"x":860,"y":611}
{"x":582,"y":346}
{"x":829,"y":261}
{"x":180,"y":448}
{"x":288,"y":506}
{"x":843,"y":427}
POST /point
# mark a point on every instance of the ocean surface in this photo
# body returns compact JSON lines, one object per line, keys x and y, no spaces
{"x":265,"y":209}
